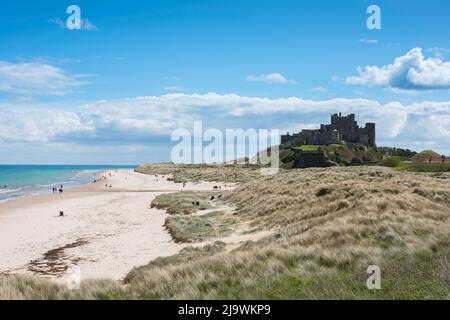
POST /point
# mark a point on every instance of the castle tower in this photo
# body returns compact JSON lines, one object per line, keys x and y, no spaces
{"x":370,"y":131}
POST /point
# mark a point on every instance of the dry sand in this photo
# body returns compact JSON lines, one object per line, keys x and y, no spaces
{"x":105,"y":231}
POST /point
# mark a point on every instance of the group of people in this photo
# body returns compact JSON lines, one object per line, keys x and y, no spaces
{"x":58,"y":190}
{"x":105,"y":177}
{"x":156,"y":178}
{"x":213,"y":197}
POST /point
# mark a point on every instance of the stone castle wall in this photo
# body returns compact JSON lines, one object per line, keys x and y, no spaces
{"x":342,"y":128}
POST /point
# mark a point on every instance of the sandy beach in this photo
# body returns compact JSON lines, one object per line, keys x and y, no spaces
{"x":104,"y":233}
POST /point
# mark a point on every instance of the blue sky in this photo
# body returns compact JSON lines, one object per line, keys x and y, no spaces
{"x":138,"y":70}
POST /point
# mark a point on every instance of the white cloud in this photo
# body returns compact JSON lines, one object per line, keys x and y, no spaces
{"x":86,"y":25}
{"x":437,"y":127}
{"x":439,"y":52}
{"x":35,"y":79}
{"x":58,"y":22}
{"x":369,"y":41}
{"x":38,"y":125}
{"x":51,"y":60}
{"x":139,"y":120}
{"x":411,"y":71}
{"x":174,"y":88}
{"x":269,"y":78}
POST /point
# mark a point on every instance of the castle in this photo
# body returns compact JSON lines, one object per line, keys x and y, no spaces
{"x":342,"y":128}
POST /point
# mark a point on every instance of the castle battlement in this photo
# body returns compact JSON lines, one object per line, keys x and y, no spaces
{"x":342,"y":128}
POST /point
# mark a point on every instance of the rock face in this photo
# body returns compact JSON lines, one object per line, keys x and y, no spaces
{"x":342,"y":128}
{"x":293,"y":158}
{"x":327,"y":156}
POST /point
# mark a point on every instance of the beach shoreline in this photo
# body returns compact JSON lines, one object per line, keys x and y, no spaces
{"x":23,"y":181}
{"x":107,"y":229}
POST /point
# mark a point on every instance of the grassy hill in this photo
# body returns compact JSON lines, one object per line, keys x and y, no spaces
{"x":424,"y":156}
{"x":417,"y":164}
{"x":327,"y":226}
{"x":328,"y":155}
{"x":307,"y":156}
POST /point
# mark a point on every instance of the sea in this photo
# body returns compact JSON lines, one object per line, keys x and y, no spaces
{"x":17,"y":181}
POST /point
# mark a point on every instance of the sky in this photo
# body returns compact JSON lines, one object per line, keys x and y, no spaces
{"x":115,"y":90}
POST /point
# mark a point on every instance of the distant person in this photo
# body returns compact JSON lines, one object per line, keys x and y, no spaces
{"x":61,"y":213}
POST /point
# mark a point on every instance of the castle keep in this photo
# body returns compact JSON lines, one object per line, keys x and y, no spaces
{"x":342,"y":128}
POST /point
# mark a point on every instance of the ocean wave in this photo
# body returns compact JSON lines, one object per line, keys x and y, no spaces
{"x":55,"y":184}
{"x":37,"y":182}
{"x":3,"y":191}
{"x":83,"y":175}
{"x":48,"y":185}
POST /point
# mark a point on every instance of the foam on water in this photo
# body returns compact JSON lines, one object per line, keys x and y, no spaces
{"x":17,"y":181}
